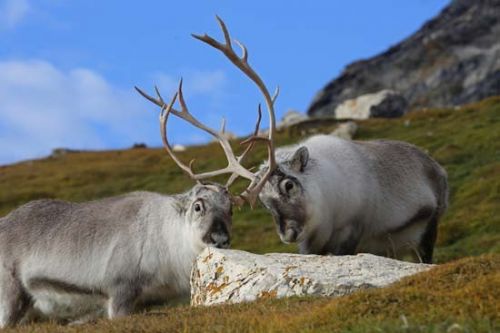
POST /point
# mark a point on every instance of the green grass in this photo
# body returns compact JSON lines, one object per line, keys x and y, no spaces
{"x":466,"y":141}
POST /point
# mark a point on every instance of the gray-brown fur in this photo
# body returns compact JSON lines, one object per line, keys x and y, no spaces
{"x":122,"y":250}
{"x":383,"y":197}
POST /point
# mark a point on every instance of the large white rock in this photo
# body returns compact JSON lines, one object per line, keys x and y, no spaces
{"x":385,"y":103}
{"x":232,"y":276}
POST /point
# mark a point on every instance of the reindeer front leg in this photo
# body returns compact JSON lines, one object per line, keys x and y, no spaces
{"x":344,"y":241}
{"x":122,"y":300}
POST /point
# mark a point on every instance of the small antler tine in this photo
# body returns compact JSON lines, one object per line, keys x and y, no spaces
{"x":253,"y":139}
{"x":166,"y":108}
{"x":198,"y":181}
{"x":244,"y":56}
{"x":231,"y":179}
{"x":223,"y":27}
{"x":142,"y":93}
{"x":146,"y":96}
{"x":276,"y":93}
{"x":250,"y":141}
{"x":162,"y":111}
{"x":203,"y":37}
{"x":158,"y":94}
{"x":223,"y":126}
{"x":191,"y":163}
{"x":209,"y":40}
{"x":181,"y":98}
{"x":259,"y":118}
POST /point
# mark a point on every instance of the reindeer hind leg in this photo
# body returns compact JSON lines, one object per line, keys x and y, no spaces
{"x":426,"y":246}
{"x":122,"y":301}
{"x":14,"y":300}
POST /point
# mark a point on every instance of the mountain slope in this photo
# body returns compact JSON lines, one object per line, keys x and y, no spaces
{"x":453,"y":59}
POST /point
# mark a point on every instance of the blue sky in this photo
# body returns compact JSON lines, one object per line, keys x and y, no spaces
{"x":67,"y":68}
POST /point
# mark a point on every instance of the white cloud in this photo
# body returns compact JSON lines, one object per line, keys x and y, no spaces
{"x":12,"y":12}
{"x":43,"y":107}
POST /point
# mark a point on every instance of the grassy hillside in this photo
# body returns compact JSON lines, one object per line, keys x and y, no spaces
{"x":466,"y":141}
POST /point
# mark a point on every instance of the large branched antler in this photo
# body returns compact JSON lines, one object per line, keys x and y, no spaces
{"x":234,"y":163}
{"x":251,"y":193}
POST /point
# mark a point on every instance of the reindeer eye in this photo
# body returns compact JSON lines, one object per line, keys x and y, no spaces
{"x":287,"y":185}
{"x":198,"y":206}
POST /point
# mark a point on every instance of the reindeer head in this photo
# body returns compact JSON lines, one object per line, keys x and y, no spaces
{"x":208,"y":210}
{"x":285,"y":195}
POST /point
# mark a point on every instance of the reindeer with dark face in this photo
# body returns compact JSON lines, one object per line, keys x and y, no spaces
{"x":335,"y":196}
{"x":67,"y":260}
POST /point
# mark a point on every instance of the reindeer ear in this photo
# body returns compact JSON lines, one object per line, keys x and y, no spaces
{"x":300,"y":159}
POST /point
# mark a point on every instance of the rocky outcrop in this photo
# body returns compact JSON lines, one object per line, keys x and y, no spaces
{"x":139,"y":145}
{"x":59,"y":152}
{"x":290,"y":118}
{"x":453,"y":59}
{"x":232,"y":276}
{"x":385,"y":104}
{"x":345,"y":130}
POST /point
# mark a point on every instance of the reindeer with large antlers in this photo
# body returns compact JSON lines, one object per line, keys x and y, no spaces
{"x":68,"y":260}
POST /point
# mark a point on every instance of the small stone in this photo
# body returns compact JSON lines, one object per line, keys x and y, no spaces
{"x":178,"y":148}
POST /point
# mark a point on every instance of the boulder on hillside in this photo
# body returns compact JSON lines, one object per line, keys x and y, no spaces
{"x":383,"y":104}
{"x":58,"y":152}
{"x":179,"y":148}
{"x":291,"y":117}
{"x":139,"y":145}
{"x":345,"y":130}
{"x":232,"y":276}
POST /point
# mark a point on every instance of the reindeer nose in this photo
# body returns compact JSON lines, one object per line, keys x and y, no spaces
{"x":219,"y":235}
{"x":220,"y":240}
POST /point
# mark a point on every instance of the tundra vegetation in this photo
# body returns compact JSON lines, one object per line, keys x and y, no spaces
{"x":459,"y":296}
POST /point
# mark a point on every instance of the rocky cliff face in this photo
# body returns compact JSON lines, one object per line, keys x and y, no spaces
{"x":453,"y":59}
